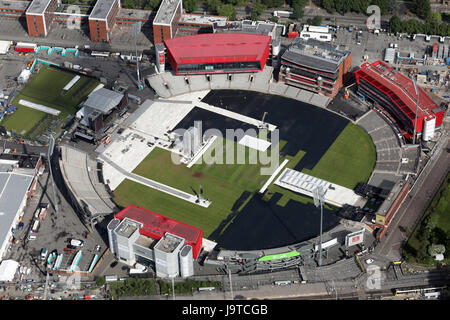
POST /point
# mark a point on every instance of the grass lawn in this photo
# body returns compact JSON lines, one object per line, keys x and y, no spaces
{"x":349,"y":160}
{"x":224,"y":184}
{"x":46,"y":88}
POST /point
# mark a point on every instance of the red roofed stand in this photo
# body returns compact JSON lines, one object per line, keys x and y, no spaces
{"x":218,"y":53}
{"x":156,"y":225}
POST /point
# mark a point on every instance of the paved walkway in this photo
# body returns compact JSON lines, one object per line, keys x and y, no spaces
{"x":233,"y":115}
{"x":156,"y":185}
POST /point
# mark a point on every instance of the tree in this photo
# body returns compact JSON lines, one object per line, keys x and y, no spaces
{"x":422,"y":8}
{"x":190,"y":5}
{"x":128,"y":4}
{"x":395,"y":24}
{"x":212,"y":5}
{"x":227,"y":10}
{"x":316,"y":21}
{"x":100,"y":281}
{"x":297,"y":11}
{"x":328,"y":5}
{"x":152,"y":4}
{"x":273,"y":3}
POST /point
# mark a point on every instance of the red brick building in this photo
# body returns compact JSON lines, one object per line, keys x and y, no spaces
{"x":102,"y":19}
{"x":315,"y":66}
{"x":165,"y":24}
{"x":39,"y":16}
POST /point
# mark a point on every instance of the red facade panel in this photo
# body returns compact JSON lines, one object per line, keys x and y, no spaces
{"x":156,"y":225}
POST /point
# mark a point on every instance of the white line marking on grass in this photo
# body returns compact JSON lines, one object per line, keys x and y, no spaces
{"x":268,"y":182}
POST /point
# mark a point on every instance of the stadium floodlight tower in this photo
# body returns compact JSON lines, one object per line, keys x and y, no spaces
{"x":135,"y":30}
{"x":417,"y":108}
{"x":318,"y":194}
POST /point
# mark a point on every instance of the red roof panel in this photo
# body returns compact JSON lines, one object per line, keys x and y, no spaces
{"x":401,"y":88}
{"x":155,"y":225}
{"x":217,"y":47}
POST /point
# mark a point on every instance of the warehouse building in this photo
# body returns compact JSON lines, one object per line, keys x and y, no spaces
{"x":18,"y":177}
{"x":395,"y":93}
{"x":218,"y":53}
{"x":138,"y":235}
{"x":315,"y":66}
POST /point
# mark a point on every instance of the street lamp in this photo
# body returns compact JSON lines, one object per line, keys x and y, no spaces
{"x":318,"y":194}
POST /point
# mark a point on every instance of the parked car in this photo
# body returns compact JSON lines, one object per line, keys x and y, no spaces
{"x":31,"y":237}
{"x":113,"y":264}
{"x":76,"y":243}
{"x":97,"y":248}
{"x":369,"y":261}
{"x":44,"y":253}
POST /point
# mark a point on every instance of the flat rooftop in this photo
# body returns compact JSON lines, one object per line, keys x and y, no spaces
{"x":127,"y":228}
{"x":315,"y":54}
{"x":101,"y":9}
{"x":166,"y":12}
{"x":168,"y":243}
{"x":13,"y":189}
{"x":18,"y":5}
{"x":201,"y":19}
{"x":38,"y":6}
{"x":217,"y":47}
{"x":246,"y":26}
{"x":145,"y":241}
{"x":134,"y":14}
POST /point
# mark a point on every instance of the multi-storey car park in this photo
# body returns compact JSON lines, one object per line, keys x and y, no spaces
{"x":395,"y":93}
{"x":315,"y":66}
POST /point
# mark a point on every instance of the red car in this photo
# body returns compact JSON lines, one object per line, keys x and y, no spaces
{"x":68,"y":250}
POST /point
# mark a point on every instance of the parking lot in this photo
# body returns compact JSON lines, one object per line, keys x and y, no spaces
{"x":54,"y":232}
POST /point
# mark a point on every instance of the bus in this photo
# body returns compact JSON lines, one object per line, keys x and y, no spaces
{"x":100,"y":53}
{"x":417,"y":290}
{"x":320,"y":33}
{"x":282,"y":14}
{"x":25,"y":47}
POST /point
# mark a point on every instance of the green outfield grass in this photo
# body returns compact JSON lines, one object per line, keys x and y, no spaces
{"x":224,"y":184}
{"x":349,"y":160}
{"x":46,"y":88}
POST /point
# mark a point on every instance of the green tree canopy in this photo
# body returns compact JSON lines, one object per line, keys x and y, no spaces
{"x":316,"y":21}
{"x":190,"y":5}
{"x":227,"y":10}
{"x":422,"y":8}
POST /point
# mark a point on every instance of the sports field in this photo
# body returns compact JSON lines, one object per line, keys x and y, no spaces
{"x":46,"y":88}
{"x":223,"y":184}
{"x":349,"y":160}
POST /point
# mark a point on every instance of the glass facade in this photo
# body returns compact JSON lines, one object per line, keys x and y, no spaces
{"x":212,"y":67}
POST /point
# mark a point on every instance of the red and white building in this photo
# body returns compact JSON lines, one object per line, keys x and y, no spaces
{"x":395,"y":93}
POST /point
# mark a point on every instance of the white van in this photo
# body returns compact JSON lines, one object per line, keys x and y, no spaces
{"x":76,"y":243}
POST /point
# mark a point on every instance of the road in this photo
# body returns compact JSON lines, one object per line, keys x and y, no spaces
{"x":415,"y":205}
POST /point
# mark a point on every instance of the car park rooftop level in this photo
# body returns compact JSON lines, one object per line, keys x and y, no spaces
{"x":38,"y":6}
{"x":101,"y":9}
{"x":201,"y":19}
